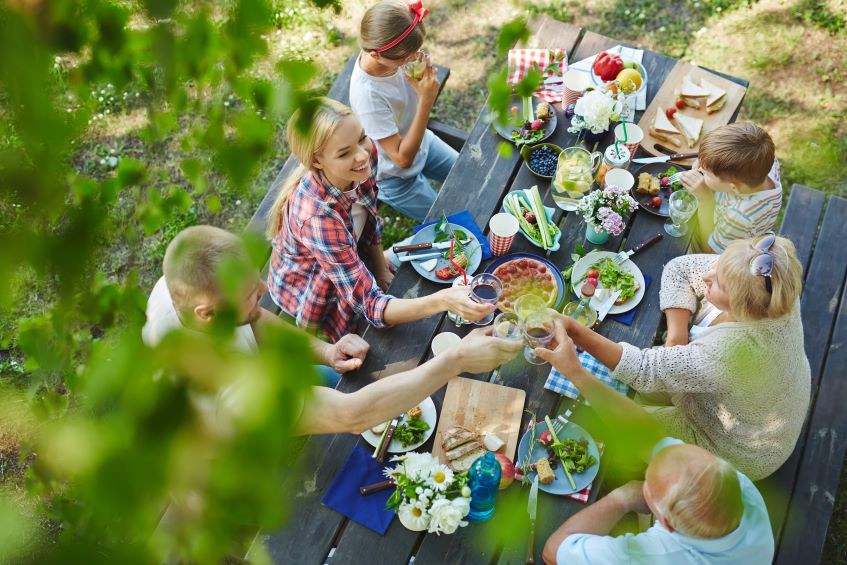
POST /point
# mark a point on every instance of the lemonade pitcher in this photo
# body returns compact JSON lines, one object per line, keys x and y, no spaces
{"x":574,"y":176}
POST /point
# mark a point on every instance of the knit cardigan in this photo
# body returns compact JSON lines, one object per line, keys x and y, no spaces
{"x":741,"y":389}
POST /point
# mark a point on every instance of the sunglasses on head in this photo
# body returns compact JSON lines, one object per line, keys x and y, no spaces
{"x":762,"y":264}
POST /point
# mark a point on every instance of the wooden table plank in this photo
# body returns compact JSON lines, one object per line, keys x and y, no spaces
{"x":817,"y":482}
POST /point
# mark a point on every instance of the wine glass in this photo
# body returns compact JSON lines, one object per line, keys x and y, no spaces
{"x":538,"y":331}
{"x":527,"y":304}
{"x":508,"y":326}
{"x":681,"y":205}
{"x":453,"y":316}
{"x":486,"y":289}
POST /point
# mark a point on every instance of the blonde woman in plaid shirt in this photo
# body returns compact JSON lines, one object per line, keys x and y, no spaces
{"x":324,"y":220}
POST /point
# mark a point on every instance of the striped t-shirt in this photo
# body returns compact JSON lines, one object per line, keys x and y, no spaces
{"x":741,"y":216}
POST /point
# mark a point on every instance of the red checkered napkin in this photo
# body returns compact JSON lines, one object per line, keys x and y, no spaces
{"x":581,"y":496}
{"x":521,"y":60}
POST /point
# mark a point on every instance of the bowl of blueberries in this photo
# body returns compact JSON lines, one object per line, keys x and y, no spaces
{"x":541,"y":159}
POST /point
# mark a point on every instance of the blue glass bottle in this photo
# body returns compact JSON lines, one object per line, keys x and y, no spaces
{"x":484,"y":483}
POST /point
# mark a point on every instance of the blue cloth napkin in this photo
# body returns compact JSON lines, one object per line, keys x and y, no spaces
{"x":465,"y":220}
{"x":343,"y":494}
{"x":557,"y":382}
{"x":626,"y":317}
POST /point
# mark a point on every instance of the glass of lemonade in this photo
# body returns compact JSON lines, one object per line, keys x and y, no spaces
{"x":416,"y":67}
{"x":574,"y":176}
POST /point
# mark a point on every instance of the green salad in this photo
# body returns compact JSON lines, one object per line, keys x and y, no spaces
{"x":617,"y":278}
{"x":411,"y":432}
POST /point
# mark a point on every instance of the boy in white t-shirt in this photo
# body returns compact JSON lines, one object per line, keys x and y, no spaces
{"x":736,"y":180}
{"x":394,"y":108}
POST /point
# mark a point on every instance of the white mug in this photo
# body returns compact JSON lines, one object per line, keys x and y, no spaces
{"x":444,"y":341}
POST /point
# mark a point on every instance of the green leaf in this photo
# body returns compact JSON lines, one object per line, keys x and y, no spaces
{"x":504,"y":148}
{"x":511,"y":33}
{"x":213,"y":204}
{"x":131,"y":172}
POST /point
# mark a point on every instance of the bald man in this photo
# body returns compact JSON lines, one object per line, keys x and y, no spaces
{"x":705,"y":511}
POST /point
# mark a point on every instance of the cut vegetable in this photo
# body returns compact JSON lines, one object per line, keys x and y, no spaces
{"x":541,"y":216}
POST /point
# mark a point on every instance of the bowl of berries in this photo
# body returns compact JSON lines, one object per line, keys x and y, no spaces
{"x":541,"y":159}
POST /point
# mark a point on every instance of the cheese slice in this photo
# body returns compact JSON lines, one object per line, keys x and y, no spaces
{"x":662,"y":123}
{"x":429,"y":265}
{"x":691,"y":90}
{"x":717,"y":96}
{"x":691,"y":128}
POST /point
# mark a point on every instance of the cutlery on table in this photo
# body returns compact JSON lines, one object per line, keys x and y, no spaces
{"x":376,"y":487}
{"x":674,"y":178}
{"x":664,"y":158}
{"x":418,"y":256}
{"x":388,"y":436}
{"x":425,"y":245}
{"x":623,"y":256}
{"x":532,"y":510}
{"x":607,"y":305}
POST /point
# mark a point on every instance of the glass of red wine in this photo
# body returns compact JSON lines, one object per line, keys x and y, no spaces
{"x":486,"y":289}
{"x":538,"y":331}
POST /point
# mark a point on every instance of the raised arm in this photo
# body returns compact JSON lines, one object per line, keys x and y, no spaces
{"x":331,"y":411}
{"x":403,"y":149}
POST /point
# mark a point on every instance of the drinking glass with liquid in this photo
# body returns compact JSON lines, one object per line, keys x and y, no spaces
{"x":538,"y":329}
{"x":486,"y":289}
{"x":681,"y":206}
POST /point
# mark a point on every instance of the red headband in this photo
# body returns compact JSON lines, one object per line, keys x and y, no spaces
{"x":420,"y":12}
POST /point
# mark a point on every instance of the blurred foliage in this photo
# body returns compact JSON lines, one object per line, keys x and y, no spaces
{"x":123,"y":431}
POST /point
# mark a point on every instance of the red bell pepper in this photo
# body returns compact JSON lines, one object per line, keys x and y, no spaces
{"x":607,"y":66}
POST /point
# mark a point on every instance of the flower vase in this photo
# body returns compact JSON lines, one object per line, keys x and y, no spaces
{"x":596,"y":236}
{"x":590,"y":137}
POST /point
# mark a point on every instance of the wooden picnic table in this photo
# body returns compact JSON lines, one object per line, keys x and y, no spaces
{"x":478,"y":182}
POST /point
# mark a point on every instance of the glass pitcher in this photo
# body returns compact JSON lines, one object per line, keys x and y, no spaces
{"x":574,"y":176}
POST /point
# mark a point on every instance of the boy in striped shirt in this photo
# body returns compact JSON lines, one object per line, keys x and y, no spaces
{"x":737,"y":182}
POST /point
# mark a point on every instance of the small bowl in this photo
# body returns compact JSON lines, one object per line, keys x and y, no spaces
{"x":526,"y":152}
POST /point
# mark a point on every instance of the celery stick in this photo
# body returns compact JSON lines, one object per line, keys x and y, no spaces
{"x":381,"y":439}
{"x":540,"y":216}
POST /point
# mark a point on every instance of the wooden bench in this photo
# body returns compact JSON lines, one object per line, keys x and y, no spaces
{"x":801,"y":494}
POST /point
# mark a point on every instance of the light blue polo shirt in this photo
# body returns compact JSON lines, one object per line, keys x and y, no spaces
{"x":749,"y":544}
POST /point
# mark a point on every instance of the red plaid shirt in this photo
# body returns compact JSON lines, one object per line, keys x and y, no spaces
{"x":316,"y":274}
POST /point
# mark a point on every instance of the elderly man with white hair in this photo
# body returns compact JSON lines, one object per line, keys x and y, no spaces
{"x":705,"y":511}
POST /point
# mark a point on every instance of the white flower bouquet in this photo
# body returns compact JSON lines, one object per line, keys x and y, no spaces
{"x":429,"y":495}
{"x":605,"y":209}
{"x":595,"y":111}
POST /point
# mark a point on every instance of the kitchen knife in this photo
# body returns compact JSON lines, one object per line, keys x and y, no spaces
{"x":624,"y":255}
{"x":387,"y":441}
{"x":425,"y":245}
{"x":532,"y":510}
{"x":664,"y":158}
{"x":607,"y":305}
{"x":418,"y":256}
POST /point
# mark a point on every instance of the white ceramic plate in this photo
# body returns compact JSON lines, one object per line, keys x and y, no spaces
{"x":429,"y":415}
{"x":427,"y":234}
{"x":582,"y":266}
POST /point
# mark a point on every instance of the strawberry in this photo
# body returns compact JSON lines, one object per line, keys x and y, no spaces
{"x":670,"y":112}
{"x":680,"y":103}
{"x":535,"y":125}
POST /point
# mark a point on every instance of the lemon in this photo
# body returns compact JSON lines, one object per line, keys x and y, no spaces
{"x":629,"y":80}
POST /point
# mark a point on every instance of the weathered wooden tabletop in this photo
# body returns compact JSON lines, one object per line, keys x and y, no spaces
{"x":478,"y":182}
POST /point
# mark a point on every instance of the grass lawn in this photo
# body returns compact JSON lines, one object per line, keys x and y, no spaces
{"x":792,"y":51}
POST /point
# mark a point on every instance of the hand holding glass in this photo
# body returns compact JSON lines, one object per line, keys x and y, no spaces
{"x":486,"y":289}
{"x":538,"y":329}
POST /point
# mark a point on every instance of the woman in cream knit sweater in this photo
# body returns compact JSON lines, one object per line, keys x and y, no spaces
{"x":737,"y":382}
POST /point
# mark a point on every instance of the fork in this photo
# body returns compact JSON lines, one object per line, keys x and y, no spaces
{"x":674,"y":178}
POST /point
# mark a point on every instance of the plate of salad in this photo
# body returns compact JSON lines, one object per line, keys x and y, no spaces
{"x":572,"y":454}
{"x":599,"y":267}
{"x":526,"y":206}
{"x":531,"y":120}
{"x":467,"y":255}
{"x":415,"y":427}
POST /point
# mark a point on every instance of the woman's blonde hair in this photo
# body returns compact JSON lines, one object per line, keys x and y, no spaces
{"x":384,"y":22}
{"x":305,"y":143}
{"x":748,"y":295}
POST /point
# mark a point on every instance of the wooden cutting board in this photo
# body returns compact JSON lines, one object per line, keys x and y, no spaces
{"x":666,"y":97}
{"x":481,"y":407}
